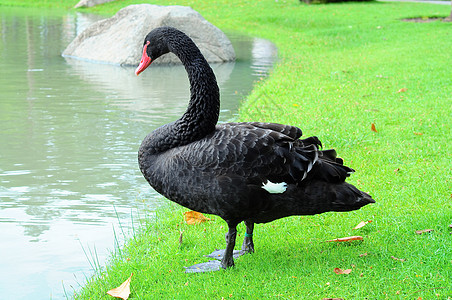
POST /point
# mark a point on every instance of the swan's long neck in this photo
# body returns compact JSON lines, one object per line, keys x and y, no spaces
{"x":203,"y":109}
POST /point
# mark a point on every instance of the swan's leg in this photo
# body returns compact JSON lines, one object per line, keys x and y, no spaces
{"x":228,"y":259}
{"x":248,"y":245}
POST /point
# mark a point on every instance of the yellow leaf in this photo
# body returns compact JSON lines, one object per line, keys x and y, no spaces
{"x":361,"y":224}
{"x":373,"y":128}
{"x":122,"y":291}
{"x":347,"y":239}
{"x":340,"y":271}
{"x":193,"y":217}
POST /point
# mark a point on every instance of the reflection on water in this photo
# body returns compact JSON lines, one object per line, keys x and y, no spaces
{"x":168,"y":86}
{"x":69,"y":133}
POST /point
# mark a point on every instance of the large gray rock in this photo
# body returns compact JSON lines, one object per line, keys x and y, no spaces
{"x":119,"y":39}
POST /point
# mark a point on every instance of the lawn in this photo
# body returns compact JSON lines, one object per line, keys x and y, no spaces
{"x":342,"y":68}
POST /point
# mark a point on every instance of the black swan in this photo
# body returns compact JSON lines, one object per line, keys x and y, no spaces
{"x":252,"y":172}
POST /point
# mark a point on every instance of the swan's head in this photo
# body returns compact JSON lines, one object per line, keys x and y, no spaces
{"x":155,"y":45}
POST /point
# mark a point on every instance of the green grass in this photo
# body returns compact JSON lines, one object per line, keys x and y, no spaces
{"x":340,"y":69}
{"x":292,"y":261}
{"x":66,"y":4}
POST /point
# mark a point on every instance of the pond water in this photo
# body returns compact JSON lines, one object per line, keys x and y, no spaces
{"x":69,"y":135}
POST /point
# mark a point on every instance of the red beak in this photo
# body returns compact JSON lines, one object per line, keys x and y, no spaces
{"x":145,"y":60}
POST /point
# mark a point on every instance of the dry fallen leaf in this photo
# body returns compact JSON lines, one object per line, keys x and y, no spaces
{"x":364,"y":254}
{"x":122,"y":291}
{"x":340,"y":271}
{"x":423,"y":231}
{"x":347,"y":239}
{"x":373,"y":128}
{"x":418,"y":133}
{"x":180,"y":237}
{"x":193,"y":217}
{"x":402,"y":90}
{"x":399,"y":259}
{"x":362,"y":224}
{"x":332,"y":299}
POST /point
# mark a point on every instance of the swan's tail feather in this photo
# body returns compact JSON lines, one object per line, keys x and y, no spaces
{"x":322,"y":165}
{"x":303,"y":160}
{"x":327,"y":166}
{"x":298,"y":160}
{"x":313,"y":197}
{"x":313,"y":140}
{"x":330,"y":171}
{"x":348,"y":198}
{"x":328,"y":196}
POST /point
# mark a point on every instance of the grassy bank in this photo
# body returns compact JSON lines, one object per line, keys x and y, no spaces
{"x":342,"y":68}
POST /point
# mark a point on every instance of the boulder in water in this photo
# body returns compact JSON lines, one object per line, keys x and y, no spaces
{"x":119,"y":39}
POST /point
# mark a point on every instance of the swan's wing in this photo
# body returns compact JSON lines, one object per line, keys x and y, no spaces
{"x":292,"y":132}
{"x":256,"y":152}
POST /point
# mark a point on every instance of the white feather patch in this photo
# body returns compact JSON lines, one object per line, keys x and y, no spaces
{"x":275,"y":188}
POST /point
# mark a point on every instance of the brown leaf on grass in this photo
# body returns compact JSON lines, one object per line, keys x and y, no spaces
{"x":122,"y":291}
{"x":340,"y":271}
{"x":364,"y":254}
{"x":347,"y":239}
{"x":418,"y":133}
{"x":399,"y":259}
{"x":402,"y":90}
{"x":362,"y":224}
{"x":423,"y":231}
{"x":193,"y":217}
{"x":373,"y":128}
{"x":332,"y":299}
{"x":180,"y":237}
